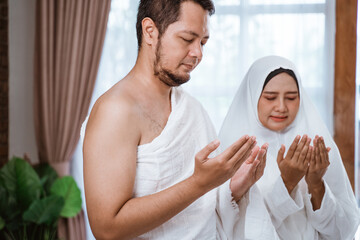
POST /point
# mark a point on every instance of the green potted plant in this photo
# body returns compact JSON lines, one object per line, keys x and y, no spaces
{"x":33,"y":198}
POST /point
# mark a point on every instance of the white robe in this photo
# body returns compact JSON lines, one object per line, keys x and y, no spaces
{"x":292,"y":216}
{"x":169,"y":159}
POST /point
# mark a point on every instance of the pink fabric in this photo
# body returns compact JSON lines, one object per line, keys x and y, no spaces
{"x":68,"y":44}
{"x":72,"y":228}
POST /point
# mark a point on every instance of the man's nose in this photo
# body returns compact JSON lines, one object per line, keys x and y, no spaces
{"x":196,"y":51}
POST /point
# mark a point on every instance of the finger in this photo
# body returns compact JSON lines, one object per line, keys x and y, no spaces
{"x":317,"y":151}
{"x":204,"y":153}
{"x":234,"y":148}
{"x":327,"y":149}
{"x":292,"y":147}
{"x":323,"y":152}
{"x":300,"y":148}
{"x":264,"y":148}
{"x":280,"y":155}
{"x":249,"y":151}
{"x":262,"y":152}
{"x":259,"y":171}
{"x":253,"y":170}
{"x":314,"y":140}
{"x":312,"y":157}
{"x":243,"y":153}
{"x":326,"y":152}
{"x":307,"y":158}
{"x":250,"y":159}
{"x":262,"y":157}
{"x":304,"y":151}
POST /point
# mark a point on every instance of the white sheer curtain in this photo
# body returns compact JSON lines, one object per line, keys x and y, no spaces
{"x":244,"y":30}
{"x":241,"y":31}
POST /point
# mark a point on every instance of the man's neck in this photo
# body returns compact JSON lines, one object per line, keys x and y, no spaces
{"x":143,"y":76}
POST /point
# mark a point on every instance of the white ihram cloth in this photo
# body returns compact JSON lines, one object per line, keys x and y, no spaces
{"x":292,"y":216}
{"x":169,"y":159}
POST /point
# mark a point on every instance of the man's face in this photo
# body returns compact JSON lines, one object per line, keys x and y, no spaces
{"x":179,"y":50}
{"x":279,"y":102}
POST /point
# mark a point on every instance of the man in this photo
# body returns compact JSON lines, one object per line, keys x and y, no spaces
{"x":147,"y":166}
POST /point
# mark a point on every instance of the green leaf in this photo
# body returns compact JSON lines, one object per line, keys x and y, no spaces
{"x":47,"y":176}
{"x":3,"y":198}
{"x":2,"y":223}
{"x":67,"y":188}
{"x":21,"y":180}
{"x":9,"y":209}
{"x":46,"y":210}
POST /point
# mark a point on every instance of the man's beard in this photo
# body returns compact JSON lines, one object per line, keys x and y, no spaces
{"x":167,"y":76}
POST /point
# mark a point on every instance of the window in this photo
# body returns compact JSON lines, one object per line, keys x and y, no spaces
{"x":241,"y":31}
{"x":245,"y":30}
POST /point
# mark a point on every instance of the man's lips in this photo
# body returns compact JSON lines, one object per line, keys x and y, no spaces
{"x":278,"y":118}
{"x":189,"y":67}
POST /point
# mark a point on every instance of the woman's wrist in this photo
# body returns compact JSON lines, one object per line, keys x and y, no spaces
{"x":317,"y":192}
{"x":289,"y":185}
{"x":316,"y":188}
{"x":237,"y":194}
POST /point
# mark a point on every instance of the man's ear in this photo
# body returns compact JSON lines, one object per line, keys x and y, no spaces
{"x":149,"y":31}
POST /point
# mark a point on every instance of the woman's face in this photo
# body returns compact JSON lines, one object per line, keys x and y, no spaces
{"x":279,"y":102}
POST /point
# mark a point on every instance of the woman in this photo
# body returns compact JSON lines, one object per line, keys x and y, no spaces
{"x":306,"y":191}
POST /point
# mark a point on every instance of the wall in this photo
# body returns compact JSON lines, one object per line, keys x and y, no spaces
{"x":21,"y":54}
{"x":344,"y":92}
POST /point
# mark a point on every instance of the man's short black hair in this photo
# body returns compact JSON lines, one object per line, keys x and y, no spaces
{"x":164,"y":13}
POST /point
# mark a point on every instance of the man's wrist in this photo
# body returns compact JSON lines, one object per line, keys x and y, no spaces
{"x":197,"y":186}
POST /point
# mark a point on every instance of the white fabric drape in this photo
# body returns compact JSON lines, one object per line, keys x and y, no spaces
{"x":241,"y":31}
{"x":293,"y":217}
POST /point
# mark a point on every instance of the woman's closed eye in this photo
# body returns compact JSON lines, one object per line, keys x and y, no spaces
{"x":270,"y":98}
{"x":291,"y":98}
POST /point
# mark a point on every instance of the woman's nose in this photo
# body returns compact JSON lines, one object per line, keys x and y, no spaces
{"x":281,"y":105}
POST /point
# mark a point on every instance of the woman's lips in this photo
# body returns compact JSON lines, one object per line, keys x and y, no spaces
{"x":278,"y":118}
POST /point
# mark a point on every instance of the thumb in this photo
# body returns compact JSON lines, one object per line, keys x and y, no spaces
{"x":280,"y":155}
{"x":205,"y":152}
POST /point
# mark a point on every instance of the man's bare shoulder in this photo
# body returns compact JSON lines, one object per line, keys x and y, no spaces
{"x":116,"y":109}
{"x":117,"y":100}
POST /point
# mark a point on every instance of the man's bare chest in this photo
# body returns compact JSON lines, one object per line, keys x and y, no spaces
{"x":152,"y":124}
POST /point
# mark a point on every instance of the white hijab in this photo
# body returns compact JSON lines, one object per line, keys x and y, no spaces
{"x":242,"y":118}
